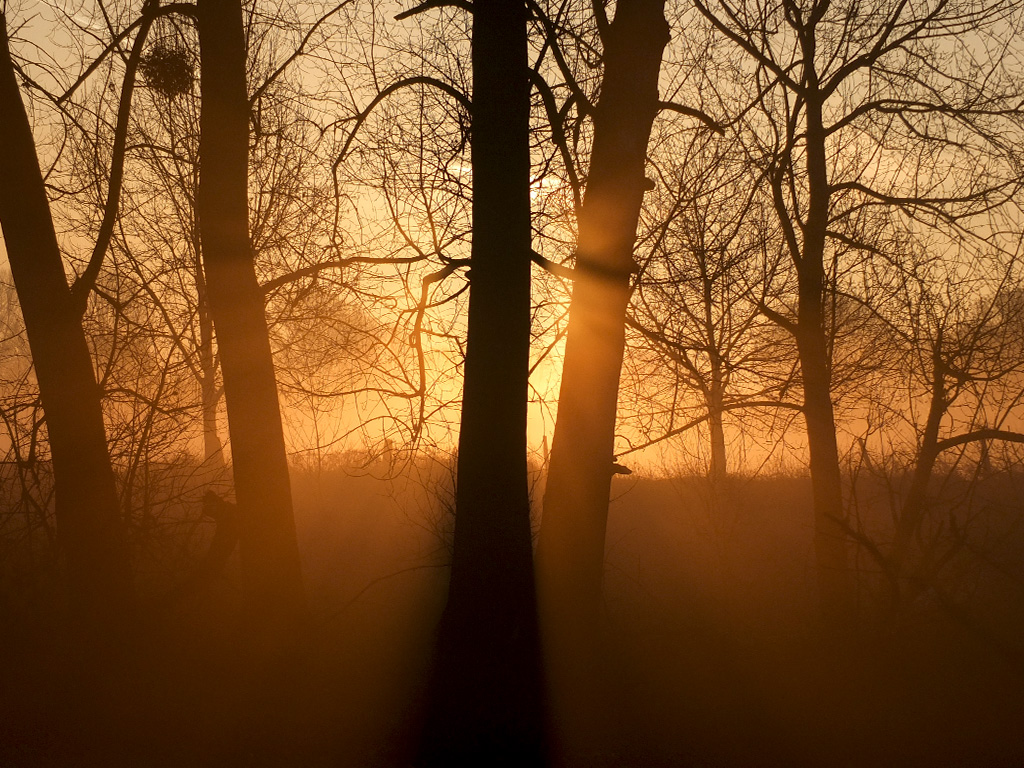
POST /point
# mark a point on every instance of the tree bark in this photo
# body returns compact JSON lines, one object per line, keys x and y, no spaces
{"x":570,"y":558}
{"x":485,"y":703}
{"x":272,"y":579}
{"x":89,"y":524}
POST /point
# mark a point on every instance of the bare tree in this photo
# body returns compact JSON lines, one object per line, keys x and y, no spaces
{"x":571,"y":543}
{"x":696,"y":310}
{"x":486,"y":699}
{"x":270,"y":557}
{"x":858,"y":108}
{"x":571,"y":547}
{"x":89,"y":519}
{"x":954,"y":315}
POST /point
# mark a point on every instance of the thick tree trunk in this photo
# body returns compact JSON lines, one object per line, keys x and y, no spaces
{"x":270,"y":558}
{"x":485,"y":702}
{"x":570,"y":558}
{"x":89,"y":524}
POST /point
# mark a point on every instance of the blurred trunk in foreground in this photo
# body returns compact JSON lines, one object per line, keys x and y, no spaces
{"x":570,"y":557}
{"x":271,"y":573}
{"x":89,"y":524}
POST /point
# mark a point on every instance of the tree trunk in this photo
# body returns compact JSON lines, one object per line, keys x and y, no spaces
{"x":914,"y":505}
{"x":715,"y":393}
{"x":272,"y":579}
{"x":570,"y":558}
{"x":718,"y":467}
{"x":213,"y":448}
{"x":485,"y":703}
{"x":835,"y":586}
{"x":90,"y":529}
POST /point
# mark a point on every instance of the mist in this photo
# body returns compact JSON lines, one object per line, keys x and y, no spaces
{"x":523,"y":385}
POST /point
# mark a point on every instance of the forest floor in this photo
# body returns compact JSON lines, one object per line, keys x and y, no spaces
{"x":711,"y":653}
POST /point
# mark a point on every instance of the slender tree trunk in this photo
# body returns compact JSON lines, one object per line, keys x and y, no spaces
{"x":90,"y":528}
{"x":715,"y":393}
{"x":912,"y":512}
{"x":213,"y":449}
{"x":718,"y":468}
{"x":485,"y":703}
{"x":570,"y":558}
{"x":835,"y":586}
{"x":830,"y":547}
{"x":270,"y":558}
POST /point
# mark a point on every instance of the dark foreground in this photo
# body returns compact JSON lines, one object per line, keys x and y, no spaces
{"x":712,"y":655}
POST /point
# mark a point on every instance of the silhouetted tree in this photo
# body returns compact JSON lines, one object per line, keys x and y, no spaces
{"x":90,"y":526}
{"x":853,"y":107}
{"x":270,"y":558}
{"x":485,"y":702}
{"x":711,"y":264}
{"x":954,"y":315}
{"x":570,"y":554}
{"x":571,"y":546}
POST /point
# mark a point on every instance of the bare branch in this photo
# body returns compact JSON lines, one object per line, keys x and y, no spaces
{"x":977,"y":435}
{"x":85,"y":282}
{"x":780,"y":320}
{"x":431,"y":4}
{"x":295,"y":54}
{"x":314,"y":269}
{"x":704,"y":117}
{"x":549,"y":266}
{"x":701,"y":419}
{"x":149,"y":13}
{"x":359,"y":119}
